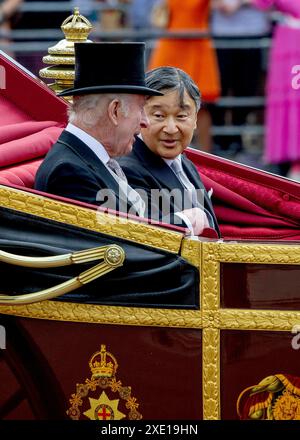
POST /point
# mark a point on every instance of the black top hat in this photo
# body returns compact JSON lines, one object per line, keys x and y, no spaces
{"x":109,"y":67}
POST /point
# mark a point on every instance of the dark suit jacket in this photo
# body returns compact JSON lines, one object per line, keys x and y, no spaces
{"x":71,"y":169}
{"x":146,"y":170}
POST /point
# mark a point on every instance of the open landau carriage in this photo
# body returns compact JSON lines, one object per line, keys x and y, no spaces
{"x":110,"y":318}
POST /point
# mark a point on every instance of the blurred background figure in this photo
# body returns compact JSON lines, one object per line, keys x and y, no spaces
{"x":282,"y":141}
{"x":8,"y":10}
{"x":196,"y":56}
{"x":241,"y":69}
{"x":140,"y":14}
{"x":113,"y":16}
{"x":8,"y":15}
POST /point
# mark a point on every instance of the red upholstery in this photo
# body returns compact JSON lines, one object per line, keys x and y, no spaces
{"x":21,"y":175}
{"x":11,"y":132}
{"x":249,"y":204}
{"x":22,"y":144}
{"x":10,"y":114}
{"x":28,"y":147}
{"x":32,"y":118}
{"x":26,"y":97}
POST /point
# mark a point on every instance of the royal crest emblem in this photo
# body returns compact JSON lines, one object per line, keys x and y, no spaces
{"x":104,"y":409}
{"x":92,"y":402}
{"x":276,"y":397}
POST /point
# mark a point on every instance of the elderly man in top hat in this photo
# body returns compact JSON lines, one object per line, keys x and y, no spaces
{"x":107,"y":112}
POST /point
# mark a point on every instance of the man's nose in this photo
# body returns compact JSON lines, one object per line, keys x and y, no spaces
{"x":170,"y":126}
{"x":144,"y":120}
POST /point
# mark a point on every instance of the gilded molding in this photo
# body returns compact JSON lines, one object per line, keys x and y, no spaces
{"x":191,"y":251}
{"x":60,"y":49}
{"x":214,"y":318}
{"x":252,"y":253}
{"x":276,"y":320}
{"x":50,"y":72}
{"x":229,"y":319}
{"x":63,"y":311}
{"x":34,"y":204}
{"x":210,"y":286}
{"x":59,"y":59}
{"x":211,"y":373}
{"x":211,"y":319}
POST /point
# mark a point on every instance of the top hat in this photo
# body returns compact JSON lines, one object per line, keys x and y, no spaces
{"x":109,"y":67}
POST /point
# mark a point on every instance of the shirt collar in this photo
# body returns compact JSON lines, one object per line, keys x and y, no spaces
{"x":96,"y":146}
{"x":170,"y":161}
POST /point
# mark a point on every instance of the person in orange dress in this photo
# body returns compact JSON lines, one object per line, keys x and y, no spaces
{"x":196,"y":56}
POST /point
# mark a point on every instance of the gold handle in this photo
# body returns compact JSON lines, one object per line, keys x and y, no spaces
{"x":112,"y":255}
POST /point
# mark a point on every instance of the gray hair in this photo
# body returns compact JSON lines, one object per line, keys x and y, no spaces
{"x":89,"y":108}
{"x":172,"y":78}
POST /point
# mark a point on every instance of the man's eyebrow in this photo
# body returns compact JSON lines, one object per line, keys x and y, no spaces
{"x":154,"y":106}
{"x":185,"y":106}
{"x":182,"y":107}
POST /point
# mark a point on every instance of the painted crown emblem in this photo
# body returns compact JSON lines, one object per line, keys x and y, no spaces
{"x":103,"y":364}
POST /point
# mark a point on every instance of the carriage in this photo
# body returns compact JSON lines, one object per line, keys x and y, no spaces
{"x":110,"y":317}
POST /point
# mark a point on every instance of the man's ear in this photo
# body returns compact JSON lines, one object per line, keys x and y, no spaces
{"x":113,"y":111}
{"x":196,"y":120}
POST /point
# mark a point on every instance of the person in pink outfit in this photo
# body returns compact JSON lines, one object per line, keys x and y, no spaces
{"x":282,"y":145}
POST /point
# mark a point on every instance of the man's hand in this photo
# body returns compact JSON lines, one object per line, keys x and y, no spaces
{"x":198,"y":219}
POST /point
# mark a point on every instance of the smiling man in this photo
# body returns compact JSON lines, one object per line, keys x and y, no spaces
{"x":157,"y":165}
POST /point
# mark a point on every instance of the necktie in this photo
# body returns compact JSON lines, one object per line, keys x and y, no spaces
{"x":129,"y":193}
{"x":192,"y":192}
{"x":186,"y":183}
{"x":116,"y":169}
